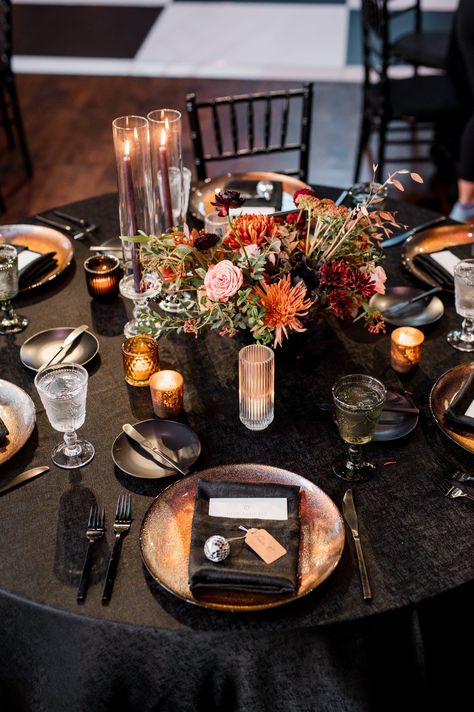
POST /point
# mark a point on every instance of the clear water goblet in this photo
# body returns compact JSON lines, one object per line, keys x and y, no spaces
{"x":10,"y":323}
{"x":63,"y":392}
{"x":358,"y":401}
{"x":463,"y":338}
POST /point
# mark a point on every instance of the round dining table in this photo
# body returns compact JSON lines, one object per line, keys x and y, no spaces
{"x":149,"y":650}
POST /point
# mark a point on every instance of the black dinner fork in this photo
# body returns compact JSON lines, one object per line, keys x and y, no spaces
{"x":450,"y":489}
{"x":94,"y":532}
{"x":122,"y":524}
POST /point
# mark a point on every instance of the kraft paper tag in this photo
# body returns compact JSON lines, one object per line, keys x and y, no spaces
{"x":264,"y":545}
{"x":249,"y":507}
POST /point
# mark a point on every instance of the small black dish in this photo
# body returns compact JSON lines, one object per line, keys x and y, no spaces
{"x":175,"y":439}
{"x":39,"y":348}
{"x":418,"y":314}
{"x":394,"y":425}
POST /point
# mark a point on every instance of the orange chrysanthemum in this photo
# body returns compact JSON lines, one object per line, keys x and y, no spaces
{"x":251,"y":230}
{"x":284,"y":305}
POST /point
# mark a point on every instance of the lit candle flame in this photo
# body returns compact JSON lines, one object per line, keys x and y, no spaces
{"x":126,"y":147}
{"x":163,"y":137}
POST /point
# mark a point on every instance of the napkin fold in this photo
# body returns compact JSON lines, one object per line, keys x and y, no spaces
{"x":249,"y":187}
{"x":442,"y":274}
{"x":32,"y":265}
{"x":244,"y":570}
{"x":456,"y":412}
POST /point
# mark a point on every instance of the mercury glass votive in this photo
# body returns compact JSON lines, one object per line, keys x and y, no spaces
{"x":103,"y":274}
{"x":405,"y":351}
{"x":166,"y":389}
{"x":140,"y":359}
{"x":256,"y":386}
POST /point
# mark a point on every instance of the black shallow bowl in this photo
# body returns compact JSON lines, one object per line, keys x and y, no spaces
{"x":175,"y":439}
{"x":39,"y":348}
{"x":418,"y":314}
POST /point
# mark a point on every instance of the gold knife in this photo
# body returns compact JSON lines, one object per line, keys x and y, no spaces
{"x":350,"y":515}
{"x":68,"y":341}
{"x":19,"y":479}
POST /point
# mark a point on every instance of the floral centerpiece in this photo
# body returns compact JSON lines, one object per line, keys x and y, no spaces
{"x":270,"y":274}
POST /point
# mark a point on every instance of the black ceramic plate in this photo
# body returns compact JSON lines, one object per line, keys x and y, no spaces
{"x":39,"y":348}
{"x":417,"y":314}
{"x":392,"y":426}
{"x":175,"y":439}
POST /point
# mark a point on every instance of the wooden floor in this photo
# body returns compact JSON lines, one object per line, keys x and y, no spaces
{"x":68,"y":124}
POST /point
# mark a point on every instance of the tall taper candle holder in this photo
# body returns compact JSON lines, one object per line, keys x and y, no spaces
{"x":150,"y":288}
{"x":167,"y":166}
{"x":132,"y":153}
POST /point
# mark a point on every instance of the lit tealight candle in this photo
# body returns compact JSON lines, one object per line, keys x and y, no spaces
{"x":167,"y":393}
{"x":140,"y":359}
{"x":405,"y":353}
{"x":102,"y":276}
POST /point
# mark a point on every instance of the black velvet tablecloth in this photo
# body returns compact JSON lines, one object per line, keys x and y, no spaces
{"x":147,"y":650}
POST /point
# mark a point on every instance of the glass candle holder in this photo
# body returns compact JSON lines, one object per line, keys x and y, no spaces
{"x":167,"y":167}
{"x":167,"y":389}
{"x":256,"y":386}
{"x":10,"y":323}
{"x":406,"y":346}
{"x":132,"y":154}
{"x":216,"y":224}
{"x":103,"y":273}
{"x":140,"y":359}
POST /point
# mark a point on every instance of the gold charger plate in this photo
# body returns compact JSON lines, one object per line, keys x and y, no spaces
{"x":18,"y":412}
{"x":432,"y":240}
{"x":203,"y":194}
{"x":165,"y":537}
{"x":40,"y":239}
{"x":442,"y":395}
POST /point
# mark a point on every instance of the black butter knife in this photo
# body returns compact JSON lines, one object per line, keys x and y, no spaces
{"x":24,"y":477}
{"x":350,"y":515}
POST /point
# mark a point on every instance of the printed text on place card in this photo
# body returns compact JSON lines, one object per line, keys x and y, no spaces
{"x":249,"y":507}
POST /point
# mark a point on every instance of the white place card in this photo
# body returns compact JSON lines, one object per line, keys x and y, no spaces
{"x":446,"y":259}
{"x":249,"y":507}
{"x":25,"y":257}
{"x":470,"y":411}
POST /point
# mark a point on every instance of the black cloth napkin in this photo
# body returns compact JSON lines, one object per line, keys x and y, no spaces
{"x":37,"y":268}
{"x":244,"y":570}
{"x":456,"y":412}
{"x":249,"y":187}
{"x":434,"y":269}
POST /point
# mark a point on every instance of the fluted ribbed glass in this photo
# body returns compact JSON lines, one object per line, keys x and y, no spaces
{"x":256,"y":386}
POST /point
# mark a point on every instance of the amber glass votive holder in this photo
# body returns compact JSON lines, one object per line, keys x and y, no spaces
{"x":405,"y":349}
{"x":166,"y":389}
{"x":103,"y":274}
{"x":140,"y":359}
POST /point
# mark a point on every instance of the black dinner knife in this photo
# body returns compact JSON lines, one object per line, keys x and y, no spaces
{"x":24,"y":477}
{"x":350,"y":515}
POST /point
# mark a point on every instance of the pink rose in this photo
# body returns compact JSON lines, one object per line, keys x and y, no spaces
{"x":223,"y":280}
{"x":378,"y":277}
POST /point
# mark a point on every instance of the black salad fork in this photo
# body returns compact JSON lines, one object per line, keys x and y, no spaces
{"x":122,"y":524}
{"x":94,"y":532}
{"x":449,"y":489}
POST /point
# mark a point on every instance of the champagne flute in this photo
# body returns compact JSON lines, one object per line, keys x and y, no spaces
{"x":63,"y":392}
{"x":358,"y":401}
{"x":10,"y":323}
{"x":463,"y":339}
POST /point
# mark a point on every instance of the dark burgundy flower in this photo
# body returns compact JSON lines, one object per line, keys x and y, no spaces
{"x":304,"y":191}
{"x":227,"y":199}
{"x":335,"y":274}
{"x":340,"y":303}
{"x":362,"y":282}
{"x":206,"y":240}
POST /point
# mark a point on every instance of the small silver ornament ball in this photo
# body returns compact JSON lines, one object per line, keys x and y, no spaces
{"x":216,"y":548}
